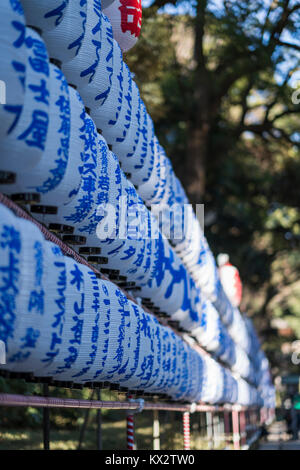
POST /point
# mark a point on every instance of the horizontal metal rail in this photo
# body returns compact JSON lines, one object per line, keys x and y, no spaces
{"x":7,"y":399}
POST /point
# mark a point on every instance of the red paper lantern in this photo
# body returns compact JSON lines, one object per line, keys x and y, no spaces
{"x":230,"y":280}
{"x":126,"y":20}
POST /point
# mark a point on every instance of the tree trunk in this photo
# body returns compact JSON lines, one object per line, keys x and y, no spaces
{"x":200,"y":125}
{"x":196,"y":161}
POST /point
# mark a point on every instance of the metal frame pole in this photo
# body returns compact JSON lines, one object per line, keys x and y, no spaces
{"x":85,"y":423}
{"x":222,"y":429}
{"x":236,"y":430}
{"x":186,"y":431}
{"x":209,"y":430}
{"x":130,"y":429}
{"x":243,"y":431}
{"x":216,"y":429}
{"x":46,"y":420}
{"x":99,"y":423}
{"x":227,"y":427}
{"x":156,"y":430}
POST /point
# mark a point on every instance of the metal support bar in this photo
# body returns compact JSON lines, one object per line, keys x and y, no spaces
{"x":46,"y":421}
{"x":216,"y":430}
{"x":99,"y":423}
{"x":236,"y":430}
{"x":243,"y":428}
{"x":222,"y":429}
{"x":130,"y":432}
{"x":85,"y":423}
{"x":7,"y":399}
{"x":262,"y":416}
{"x":130,"y":429}
{"x":209,"y":429}
{"x":227,"y":427}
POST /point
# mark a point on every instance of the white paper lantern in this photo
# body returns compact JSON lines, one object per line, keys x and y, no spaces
{"x":81,"y":70}
{"x":25,"y":243}
{"x":96,"y":92}
{"x":64,"y":41}
{"x":140,"y":164}
{"x":44,"y":14}
{"x":149,"y":189}
{"x":101,"y":225}
{"x":11,"y":261}
{"x":212,"y":391}
{"x":70,"y":319}
{"x":25,"y":143}
{"x":96,"y":362}
{"x":82,"y":319}
{"x":110,"y":109}
{"x":53,"y":280}
{"x":129,"y":379}
{"x":70,"y":183}
{"x":115,"y":129}
{"x":124,"y":149}
{"x":49,"y":171}
{"x":82,"y":203}
{"x":13,"y":55}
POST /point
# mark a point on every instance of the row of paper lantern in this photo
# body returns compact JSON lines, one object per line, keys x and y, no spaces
{"x":125,"y":18}
{"x":69,"y":165}
{"x":208,"y":274}
{"x":80,"y":37}
{"x":60,"y":321}
{"x":67,"y":162}
{"x":265,"y":386}
{"x":34,"y":134}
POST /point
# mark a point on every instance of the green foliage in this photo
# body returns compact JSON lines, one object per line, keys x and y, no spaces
{"x":14,"y":416}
